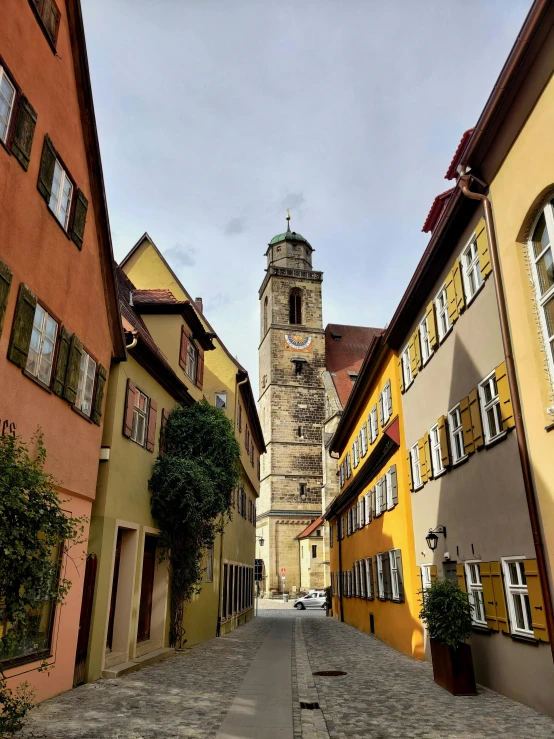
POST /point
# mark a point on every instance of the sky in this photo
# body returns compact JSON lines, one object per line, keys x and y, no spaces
{"x":214,"y":116}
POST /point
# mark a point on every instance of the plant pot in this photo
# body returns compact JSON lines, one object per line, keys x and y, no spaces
{"x":453,"y":668}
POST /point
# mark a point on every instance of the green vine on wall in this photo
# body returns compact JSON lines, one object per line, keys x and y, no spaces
{"x":191,"y":488}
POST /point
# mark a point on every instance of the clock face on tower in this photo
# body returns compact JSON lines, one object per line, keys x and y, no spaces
{"x":298,"y":343}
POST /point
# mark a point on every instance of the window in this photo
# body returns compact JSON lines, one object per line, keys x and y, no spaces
{"x":60,"y":197}
{"x":380,"y":577}
{"x":386,"y":400}
{"x":456,"y":434}
{"x":475,"y":593}
{"x":49,"y":14}
{"x":518,"y":597}
{"x":85,"y":388}
{"x":416,"y":472}
{"x":314,"y":551}
{"x":426,"y":576}
{"x":380,"y":495}
{"x":41,"y":349}
{"x":436,"y":453}
{"x":443,"y":319}
{"x":192,"y":361}
{"x":341,"y":475}
{"x":295,"y":306}
{"x":210,"y":564}
{"x":540,"y":251}
{"x":265,"y":316}
{"x":373,"y":424}
{"x":7,"y":97}
{"x":302,"y":489}
{"x":490,"y":408}
{"x":355,"y":453}
{"x":425,"y":341}
{"x":332,"y":534}
{"x":369,"y":578}
{"x":363,"y":439}
{"x":140,"y":414}
{"x":221,"y":400}
{"x":471,"y":270}
{"x":348,"y":467}
{"x":406,"y":368}
{"x":395,"y":573}
{"x":391,"y":487}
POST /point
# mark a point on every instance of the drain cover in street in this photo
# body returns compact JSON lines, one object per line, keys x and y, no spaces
{"x":329,"y":673}
{"x":309,"y":706}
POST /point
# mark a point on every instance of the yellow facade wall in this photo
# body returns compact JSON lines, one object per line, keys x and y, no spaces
{"x":396,"y":623}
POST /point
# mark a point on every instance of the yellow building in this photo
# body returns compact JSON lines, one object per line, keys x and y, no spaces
{"x":226,"y":596}
{"x":373,"y":575}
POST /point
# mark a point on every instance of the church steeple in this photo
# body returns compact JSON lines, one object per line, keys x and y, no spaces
{"x":289,"y":249}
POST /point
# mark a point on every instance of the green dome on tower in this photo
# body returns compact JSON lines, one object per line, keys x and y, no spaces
{"x":289,"y":236}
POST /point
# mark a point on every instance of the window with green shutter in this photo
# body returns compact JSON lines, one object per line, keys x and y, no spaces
{"x":22,"y":326}
{"x":5,"y":284}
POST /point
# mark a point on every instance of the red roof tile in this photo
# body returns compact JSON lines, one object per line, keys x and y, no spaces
{"x":311,"y":528}
{"x":345,"y":349}
{"x":451,"y":171}
{"x":163,"y":297}
{"x":437,"y":209}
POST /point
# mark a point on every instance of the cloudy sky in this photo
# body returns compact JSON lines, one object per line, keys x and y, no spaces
{"x":216,"y":115}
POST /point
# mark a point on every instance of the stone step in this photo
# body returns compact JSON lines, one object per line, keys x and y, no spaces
{"x":125,"y":668}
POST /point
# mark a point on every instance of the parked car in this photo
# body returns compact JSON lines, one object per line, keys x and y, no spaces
{"x":315,"y":599}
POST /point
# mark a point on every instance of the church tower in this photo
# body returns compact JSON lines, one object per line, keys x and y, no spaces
{"x":291,"y":407}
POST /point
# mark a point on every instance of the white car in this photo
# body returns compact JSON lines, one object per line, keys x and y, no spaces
{"x":315,"y":599}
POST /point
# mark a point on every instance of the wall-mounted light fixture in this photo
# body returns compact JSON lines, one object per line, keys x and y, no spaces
{"x":261,"y":540}
{"x":432,"y":539}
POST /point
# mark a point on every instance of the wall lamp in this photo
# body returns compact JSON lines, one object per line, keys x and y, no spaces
{"x":261,"y":540}
{"x":432,"y":539}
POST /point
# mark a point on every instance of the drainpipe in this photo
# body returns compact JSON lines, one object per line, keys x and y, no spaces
{"x":530,"y":492}
{"x":339,"y":530}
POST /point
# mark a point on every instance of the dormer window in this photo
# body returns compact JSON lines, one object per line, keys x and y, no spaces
{"x":295,"y":307}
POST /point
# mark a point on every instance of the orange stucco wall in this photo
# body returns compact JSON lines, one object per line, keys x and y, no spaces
{"x":67,"y":281}
{"x":396,"y":624}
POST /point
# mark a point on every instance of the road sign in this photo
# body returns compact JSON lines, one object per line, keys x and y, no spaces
{"x":283,"y":571}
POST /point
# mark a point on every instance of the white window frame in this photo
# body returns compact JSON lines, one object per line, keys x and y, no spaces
{"x":389,"y":505}
{"x":475,"y":591}
{"x":493,"y":405}
{"x":373,"y":424}
{"x":348,"y":465}
{"x":368,"y":578}
{"x":520,"y":591}
{"x":414,"y":455}
{"x":380,"y":495}
{"x":542,"y":300}
{"x":394,"y":578}
{"x":406,"y":368}
{"x":83,"y":396}
{"x":223,"y":397}
{"x":356,"y":453}
{"x":192,"y":360}
{"x":380,"y":577}
{"x":426,"y":581}
{"x":363,"y":584}
{"x":137,"y":411}
{"x":363,"y":439}
{"x":425,"y":341}
{"x":39,"y":334}
{"x":386,"y":395}
{"x":436,"y":451}
{"x":471,"y":267}
{"x":3,"y":76}
{"x":341,"y":475}
{"x":57,"y":200}
{"x":441,"y":307}
{"x":456,"y":431}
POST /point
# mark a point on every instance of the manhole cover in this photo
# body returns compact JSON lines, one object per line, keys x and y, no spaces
{"x":309,"y":706}
{"x":329,"y":673}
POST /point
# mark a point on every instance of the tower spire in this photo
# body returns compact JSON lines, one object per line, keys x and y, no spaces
{"x":288,"y":220}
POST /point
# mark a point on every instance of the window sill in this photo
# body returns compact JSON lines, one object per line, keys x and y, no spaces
{"x":37,"y":381}
{"x":438,"y":474}
{"x":475,"y":294}
{"x":55,"y":217}
{"x":496,"y":440}
{"x":523,"y":639}
{"x":550,"y":427}
{"x":461,"y":460}
{"x":426,"y":361}
{"x":408,"y":386}
{"x":442,"y":338}
{"x":419,"y":487}
{"x":26,"y":660}
{"x":80,"y":413}
{"x":481,"y":629}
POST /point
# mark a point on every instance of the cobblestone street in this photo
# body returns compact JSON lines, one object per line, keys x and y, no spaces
{"x":221,"y":688}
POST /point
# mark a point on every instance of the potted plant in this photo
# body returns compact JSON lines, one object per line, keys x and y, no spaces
{"x":446,"y":613}
{"x":328,"y":601}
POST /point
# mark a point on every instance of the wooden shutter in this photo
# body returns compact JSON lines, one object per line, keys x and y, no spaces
{"x":433,"y":573}
{"x":461,"y":575}
{"x":373,"y":500}
{"x":389,"y":398}
{"x":443,"y":438}
{"x":394,"y":484}
{"x":99,"y":395}
{"x":200,"y":371}
{"x":417,"y":350}
{"x":432,"y":324}
{"x":22,"y":326}
{"x":50,"y":16}
{"x":381,"y":410}
{"x":409,"y":469}
{"x":451,"y":297}
{"x":130,"y":396}
{"x":71,"y":384}
{"x":64,"y":346}
{"x":475,"y":413}
{"x":385,"y":559}
{"x":24,"y":131}
{"x":508,"y":420}
{"x":422,"y":459}
{"x":46,"y":171}
{"x":412,"y":355}
{"x":369,"y":569}
{"x":368,"y":507}
{"x":5,"y":284}
{"x":467,"y":426}
{"x":79,"y":219}
{"x":488,"y":595}
{"x":536,"y":600}
{"x":398,"y":555}
{"x":184,"y":348}
{"x":152,"y":418}
{"x":401,"y":373}
{"x":499,"y":598}
{"x":427,"y":450}
{"x":483,"y":249}
{"x":163,"y":444}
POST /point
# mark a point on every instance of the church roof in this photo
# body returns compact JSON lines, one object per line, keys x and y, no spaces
{"x":289,"y":236}
{"x":345,"y":349}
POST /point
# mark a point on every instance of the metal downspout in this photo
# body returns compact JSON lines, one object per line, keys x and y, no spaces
{"x":530,"y":492}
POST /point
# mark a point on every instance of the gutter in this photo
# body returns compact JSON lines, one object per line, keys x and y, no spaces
{"x":530,"y":492}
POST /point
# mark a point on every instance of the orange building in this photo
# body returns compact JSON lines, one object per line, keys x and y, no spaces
{"x":373,"y":575}
{"x":59,"y":316}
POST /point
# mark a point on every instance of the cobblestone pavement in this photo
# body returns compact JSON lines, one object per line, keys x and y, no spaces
{"x":383,"y":696}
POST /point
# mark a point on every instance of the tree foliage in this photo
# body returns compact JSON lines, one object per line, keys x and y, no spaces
{"x":446,"y":612}
{"x":191,"y":488}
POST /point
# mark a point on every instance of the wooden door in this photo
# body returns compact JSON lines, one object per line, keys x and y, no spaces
{"x":84,"y":620}
{"x":146,"y":588}
{"x":115,"y":580}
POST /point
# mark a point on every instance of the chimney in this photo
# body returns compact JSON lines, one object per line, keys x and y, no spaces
{"x":198,"y":302}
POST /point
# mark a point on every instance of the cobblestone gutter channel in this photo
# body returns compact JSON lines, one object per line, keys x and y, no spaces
{"x":309,"y":723}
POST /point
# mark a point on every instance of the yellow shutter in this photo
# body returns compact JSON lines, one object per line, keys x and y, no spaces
{"x":536,"y":600}
{"x":451,"y":297}
{"x":458,"y":286}
{"x":508,"y":420}
{"x":483,"y":249}
{"x":409,"y":468}
{"x":427,"y":450}
{"x":401,"y":373}
{"x":433,"y":573}
{"x":488,"y":595}
{"x":460,"y":574}
{"x":417,"y":349}
{"x":443,"y":438}
{"x":469,"y":445}
{"x":499,"y":598}
{"x":432,"y":324}
{"x":413,"y":359}
{"x":475,"y":414}
{"x":422,"y":460}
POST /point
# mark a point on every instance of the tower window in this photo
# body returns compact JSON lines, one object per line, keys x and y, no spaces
{"x":299,"y":432}
{"x":303,"y":490}
{"x":295,"y":307}
{"x":265,"y":315}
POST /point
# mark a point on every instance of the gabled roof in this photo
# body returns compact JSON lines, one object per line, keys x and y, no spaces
{"x":451,"y":172}
{"x":99,"y":208}
{"x":345,"y":349}
{"x":437,"y":209}
{"x":309,"y":530}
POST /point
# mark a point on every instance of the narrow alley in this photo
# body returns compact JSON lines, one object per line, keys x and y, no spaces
{"x":254,"y":682}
